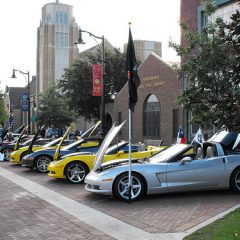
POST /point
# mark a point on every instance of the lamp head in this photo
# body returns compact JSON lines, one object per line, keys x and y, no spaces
{"x":79,"y":41}
{"x":112,"y":93}
{"x":13,"y":74}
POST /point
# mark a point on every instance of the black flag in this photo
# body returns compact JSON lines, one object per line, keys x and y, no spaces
{"x":133,"y":79}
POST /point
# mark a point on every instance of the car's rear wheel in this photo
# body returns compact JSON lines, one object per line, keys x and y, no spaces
{"x":121,"y":187}
{"x":7,"y":152}
{"x":76,"y":172}
{"x":235,"y":181}
{"x":42,"y":163}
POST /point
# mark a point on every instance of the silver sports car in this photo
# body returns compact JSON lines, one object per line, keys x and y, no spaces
{"x":181,"y":167}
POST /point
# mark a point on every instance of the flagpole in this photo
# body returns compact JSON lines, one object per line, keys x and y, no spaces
{"x":133,"y":83}
{"x":130,"y":156}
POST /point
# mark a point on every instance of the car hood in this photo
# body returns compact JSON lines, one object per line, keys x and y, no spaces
{"x":57,"y":151}
{"x":225,"y":138}
{"x":121,"y":162}
{"x":105,"y":144}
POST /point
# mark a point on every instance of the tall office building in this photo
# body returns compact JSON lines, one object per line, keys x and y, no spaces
{"x":144,"y":47}
{"x":55,"y":43}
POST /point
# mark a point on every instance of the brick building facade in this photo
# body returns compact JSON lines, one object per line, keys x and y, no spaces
{"x":156,"y":114}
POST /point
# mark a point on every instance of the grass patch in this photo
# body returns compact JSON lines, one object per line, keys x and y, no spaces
{"x":226,"y":228}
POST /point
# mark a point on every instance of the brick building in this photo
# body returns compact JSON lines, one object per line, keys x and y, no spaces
{"x":156,"y":114}
{"x":192,"y":13}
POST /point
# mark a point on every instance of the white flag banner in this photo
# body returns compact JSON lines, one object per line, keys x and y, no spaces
{"x":236,"y":142}
{"x":199,"y":137}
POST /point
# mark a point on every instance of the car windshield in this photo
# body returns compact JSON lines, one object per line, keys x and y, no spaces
{"x":115,"y":147}
{"x":27,"y":141}
{"x":53,"y":143}
{"x":168,"y":153}
{"x":76,"y":143}
{"x":219,"y":136}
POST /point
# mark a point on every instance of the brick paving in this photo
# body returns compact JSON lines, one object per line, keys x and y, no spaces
{"x":24,"y":216}
{"x":166,"y":213}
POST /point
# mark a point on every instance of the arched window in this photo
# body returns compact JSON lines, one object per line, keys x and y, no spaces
{"x":151,"y":117}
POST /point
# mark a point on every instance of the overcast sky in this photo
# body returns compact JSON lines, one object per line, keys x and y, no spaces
{"x":154,"y":20}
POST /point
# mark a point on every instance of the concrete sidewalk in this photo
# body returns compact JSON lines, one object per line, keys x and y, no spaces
{"x":34,"y":211}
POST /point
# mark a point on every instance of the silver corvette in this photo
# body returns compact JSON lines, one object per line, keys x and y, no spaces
{"x":181,"y":167}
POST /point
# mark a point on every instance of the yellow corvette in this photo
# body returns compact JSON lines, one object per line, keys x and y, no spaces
{"x":17,"y":156}
{"x":74,"y":167}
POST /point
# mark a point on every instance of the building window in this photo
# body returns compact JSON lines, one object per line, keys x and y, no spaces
{"x":61,"y":40}
{"x":151,"y":117}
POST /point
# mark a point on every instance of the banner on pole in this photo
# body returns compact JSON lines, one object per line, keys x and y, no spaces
{"x":24,"y":102}
{"x":97,"y":79}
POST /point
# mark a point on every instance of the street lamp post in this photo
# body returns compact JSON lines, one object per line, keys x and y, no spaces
{"x":10,"y":110}
{"x":102,"y":110}
{"x":28,"y":93}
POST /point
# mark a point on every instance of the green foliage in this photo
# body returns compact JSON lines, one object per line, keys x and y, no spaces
{"x":211,"y":69}
{"x":76,"y":82}
{"x":53,"y":110}
{"x":3,"y":113}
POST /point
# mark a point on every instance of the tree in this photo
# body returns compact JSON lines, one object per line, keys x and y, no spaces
{"x":76,"y":82}
{"x":211,"y":70}
{"x":3,"y":113}
{"x":53,"y":109}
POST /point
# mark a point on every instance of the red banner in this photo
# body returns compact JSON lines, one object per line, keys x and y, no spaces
{"x":97,"y":79}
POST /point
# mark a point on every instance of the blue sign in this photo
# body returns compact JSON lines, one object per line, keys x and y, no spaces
{"x":24,"y":101}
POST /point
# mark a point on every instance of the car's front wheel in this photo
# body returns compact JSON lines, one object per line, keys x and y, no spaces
{"x":76,"y":172}
{"x":235,"y":181}
{"x":42,"y":163}
{"x":121,"y":187}
{"x":7,"y":152}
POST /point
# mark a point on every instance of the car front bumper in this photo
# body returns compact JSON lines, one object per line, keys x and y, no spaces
{"x":98,"y":184}
{"x":55,"y":170}
{"x":28,"y":163}
{"x":14,"y":160}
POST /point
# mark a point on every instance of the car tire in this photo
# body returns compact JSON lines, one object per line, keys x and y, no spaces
{"x":235,"y":181}
{"x":7,"y":152}
{"x":76,"y":172}
{"x":42,"y":162}
{"x":120,"y":187}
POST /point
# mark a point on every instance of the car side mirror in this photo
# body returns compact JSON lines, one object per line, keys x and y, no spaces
{"x":185,"y":159}
{"x":119,"y":153}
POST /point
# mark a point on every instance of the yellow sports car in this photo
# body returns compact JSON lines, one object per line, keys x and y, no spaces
{"x":74,"y":167}
{"x":17,"y":156}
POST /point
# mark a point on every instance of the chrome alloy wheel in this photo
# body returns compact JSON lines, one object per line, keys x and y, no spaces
{"x":42,"y":164}
{"x":237,"y":180}
{"x":7,"y":153}
{"x":123,"y":187}
{"x":76,"y":172}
